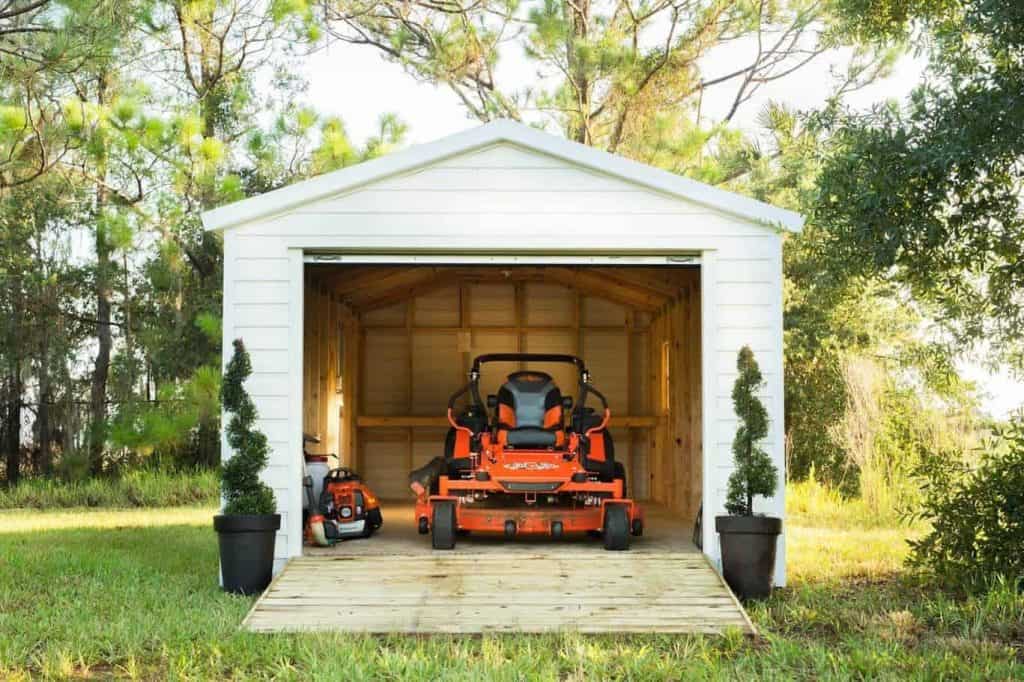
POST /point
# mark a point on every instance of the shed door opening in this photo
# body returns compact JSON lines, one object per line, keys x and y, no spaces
{"x":386,"y":345}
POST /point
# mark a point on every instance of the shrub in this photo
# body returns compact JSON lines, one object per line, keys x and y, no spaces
{"x":141,"y":488}
{"x":244,"y":492}
{"x":755,"y":474}
{"x":976,"y":515}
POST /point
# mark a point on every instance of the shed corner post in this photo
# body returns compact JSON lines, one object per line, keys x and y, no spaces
{"x":709,"y":381}
{"x":293,"y":504}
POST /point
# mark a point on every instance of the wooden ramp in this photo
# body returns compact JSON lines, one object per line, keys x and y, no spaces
{"x":396,"y":583}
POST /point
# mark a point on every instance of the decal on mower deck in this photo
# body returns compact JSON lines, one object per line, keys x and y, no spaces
{"x":530,"y":466}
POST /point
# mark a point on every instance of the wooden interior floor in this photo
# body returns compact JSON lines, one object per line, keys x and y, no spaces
{"x":394,"y":582}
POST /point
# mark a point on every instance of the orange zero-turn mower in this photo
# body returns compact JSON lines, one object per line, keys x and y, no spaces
{"x":526,"y":463}
{"x":347,"y":509}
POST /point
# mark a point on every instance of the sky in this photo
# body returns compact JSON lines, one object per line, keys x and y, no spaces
{"x":358,"y":85}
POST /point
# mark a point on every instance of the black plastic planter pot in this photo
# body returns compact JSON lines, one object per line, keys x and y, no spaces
{"x":748,"y":553}
{"x":246,"y":550}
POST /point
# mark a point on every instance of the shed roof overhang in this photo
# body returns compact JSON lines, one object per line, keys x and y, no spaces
{"x":498,"y":132}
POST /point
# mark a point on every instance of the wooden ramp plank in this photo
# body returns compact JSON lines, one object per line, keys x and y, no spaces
{"x":434,"y":593}
{"x":395,"y":583}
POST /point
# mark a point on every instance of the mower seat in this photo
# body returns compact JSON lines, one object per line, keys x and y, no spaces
{"x":530,"y":411}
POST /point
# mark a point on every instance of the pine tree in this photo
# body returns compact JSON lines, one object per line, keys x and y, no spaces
{"x":243,"y":491}
{"x":755,"y":474}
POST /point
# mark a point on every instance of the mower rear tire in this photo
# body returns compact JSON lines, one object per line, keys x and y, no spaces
{"x":442,"y":526}
{"x":374,"y":520}
{"x":616,"y":528}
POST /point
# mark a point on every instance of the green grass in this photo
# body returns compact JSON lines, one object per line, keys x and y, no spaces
{"x":144,"y":488}
{"x":133,"y":594}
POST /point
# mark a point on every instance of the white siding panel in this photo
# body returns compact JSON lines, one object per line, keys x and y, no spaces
{"x":261,"y":291}
{"x":446,"y":229}
{"x":272,"y":268}
{"x":739,"y":315}
{"x":731,"y":339}
{"x":552,"y":201}
{"x":254,"y":245}
{"x":502,"y":156}
{"x":261,"y":315}
{"x":732,"y":293}
{"x":271,"y":406}
{"x":269,"y":360}
{"x":267,"y":384}
{"x":565,"y":179}
{"x":277,"y":476}
{"x":744,"y":271}
{"x":726,"y":360}
{"x":274,"y":427}
{"x":263,"y":338}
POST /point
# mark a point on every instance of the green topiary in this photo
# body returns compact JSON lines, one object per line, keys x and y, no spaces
{"x":755,"y":474}
{"x":243,"y":491}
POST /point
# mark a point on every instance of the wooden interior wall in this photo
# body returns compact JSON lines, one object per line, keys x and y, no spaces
{"x":326,"y":321}
{"x":675,"y":473}
{"x":418,"y":352}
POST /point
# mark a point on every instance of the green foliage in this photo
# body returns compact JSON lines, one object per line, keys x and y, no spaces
{"x":140,"y":488}
{"x":927,"y":195}
{"x":244,"y":492}
{"x":976,"y":515}
{"x":754,"y":472}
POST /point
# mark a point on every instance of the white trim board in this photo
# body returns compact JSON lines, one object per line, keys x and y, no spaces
{"x":496,"y":259}
{"x":499,"y":132}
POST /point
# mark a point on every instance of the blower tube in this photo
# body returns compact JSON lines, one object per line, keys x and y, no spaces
{"x":316,"y":521}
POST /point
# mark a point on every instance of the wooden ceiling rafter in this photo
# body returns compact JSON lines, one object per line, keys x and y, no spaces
{"x":373,"y":287}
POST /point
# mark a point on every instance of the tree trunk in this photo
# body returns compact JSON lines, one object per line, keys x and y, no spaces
{"x":579,"y":20}
{"x":43,"y":426}
{"x":101,"y":367}
{"x":12,"y":425}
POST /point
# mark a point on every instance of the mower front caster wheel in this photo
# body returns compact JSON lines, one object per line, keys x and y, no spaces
{"x":616,"y":528}
{"x":442,"y":526}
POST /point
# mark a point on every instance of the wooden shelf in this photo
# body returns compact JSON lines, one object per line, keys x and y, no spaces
{"x":409,"y":421}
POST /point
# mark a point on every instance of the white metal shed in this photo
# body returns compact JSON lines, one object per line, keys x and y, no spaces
{"x":506,"y":198}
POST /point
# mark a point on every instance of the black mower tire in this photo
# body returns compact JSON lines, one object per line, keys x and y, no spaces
{"x":442,"y":526}
{"x":374,"y":520}
{"x":616,"y":528}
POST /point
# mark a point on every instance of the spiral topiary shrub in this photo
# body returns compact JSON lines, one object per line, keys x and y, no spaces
{"x":755,"y":474}
{"x":241,"y":487}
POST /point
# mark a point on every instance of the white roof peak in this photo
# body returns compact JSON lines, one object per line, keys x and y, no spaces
{"x":496,"y":132}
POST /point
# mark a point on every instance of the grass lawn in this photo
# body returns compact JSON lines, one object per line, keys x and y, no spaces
{"x":132,"y":593}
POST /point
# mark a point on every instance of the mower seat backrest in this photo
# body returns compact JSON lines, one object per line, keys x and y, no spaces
{"x":530,"y":411}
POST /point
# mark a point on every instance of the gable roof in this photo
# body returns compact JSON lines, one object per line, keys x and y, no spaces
{"x":497,"y":132}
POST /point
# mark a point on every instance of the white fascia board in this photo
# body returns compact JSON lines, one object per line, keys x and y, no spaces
{"x":497,"y":132}
{"x":320,"y":258}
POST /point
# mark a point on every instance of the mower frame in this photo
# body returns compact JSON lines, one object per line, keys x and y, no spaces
{"x":528,"y":491}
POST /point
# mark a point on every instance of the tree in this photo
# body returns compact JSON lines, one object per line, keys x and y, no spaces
{"x":927,"y":195}
{"x":610,"y":73}
{"x":755,"y":474}
{"x":243,"y":491}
